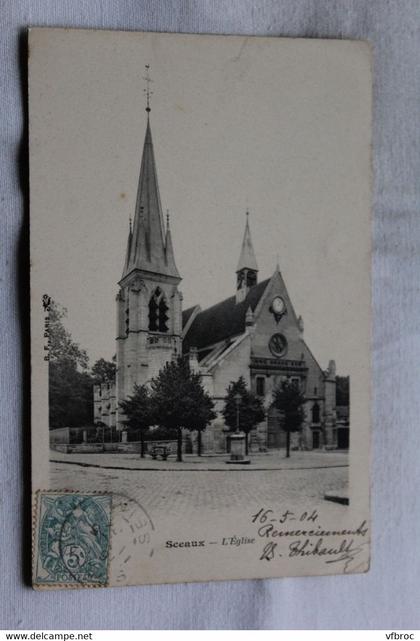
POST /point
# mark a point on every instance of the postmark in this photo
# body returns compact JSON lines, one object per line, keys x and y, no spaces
{"x":132,"y":534}
{"x":72,"y":539}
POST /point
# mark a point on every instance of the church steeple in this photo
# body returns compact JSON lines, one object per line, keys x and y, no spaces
{"x":247,"y":258}
{"x":149,"y":304}
{"x":147,"y":249}
{"x":247,"y":269}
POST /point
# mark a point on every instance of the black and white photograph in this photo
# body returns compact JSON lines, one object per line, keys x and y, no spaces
{"x":200,"y":299}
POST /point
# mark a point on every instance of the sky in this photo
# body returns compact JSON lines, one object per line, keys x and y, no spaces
{"x":278,"y":127}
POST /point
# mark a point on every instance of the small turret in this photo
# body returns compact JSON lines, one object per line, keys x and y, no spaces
{"x":169,"y":250}
{"x":300,"y":324}
{"x":331,"y":371}
{"x":193,"y":360}
{"x":249,"y":318}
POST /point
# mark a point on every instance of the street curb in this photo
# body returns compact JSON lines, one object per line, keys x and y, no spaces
{"x":228,"y":468}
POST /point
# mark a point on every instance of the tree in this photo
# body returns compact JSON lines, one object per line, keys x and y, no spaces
{"x":70,"y":390}
{"x":70,"y":395}
{"x":251,"y":409}
{"x":139,"y":412}
{"x":289,"y":400}
{"x":61,"y":343}
{"x":180,"y":401}
{"x":104,"y":371}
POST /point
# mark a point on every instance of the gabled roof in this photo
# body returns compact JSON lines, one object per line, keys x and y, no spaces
{"x":217,"y":354}
{"x":221,"y":321}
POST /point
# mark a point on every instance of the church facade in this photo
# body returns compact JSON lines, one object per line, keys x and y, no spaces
{"x":255,"y":333}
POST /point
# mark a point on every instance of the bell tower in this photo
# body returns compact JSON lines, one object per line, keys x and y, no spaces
{"x":149,"y":305}
{"x":247,"y":269}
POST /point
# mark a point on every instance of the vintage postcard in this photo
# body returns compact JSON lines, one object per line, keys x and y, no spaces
{"x":200,"y":307}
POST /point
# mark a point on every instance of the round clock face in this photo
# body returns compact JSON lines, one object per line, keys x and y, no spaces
{"x":278,"y":305}
{"x":278,"y":345}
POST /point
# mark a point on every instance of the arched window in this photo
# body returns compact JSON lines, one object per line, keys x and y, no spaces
{"x":153,"y":314}
{"x":315,"y":413}
{"x":260,"y":385}
{"x":158,"y":312}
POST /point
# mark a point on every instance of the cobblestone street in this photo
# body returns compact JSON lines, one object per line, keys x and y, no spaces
{"x":189,"y":493}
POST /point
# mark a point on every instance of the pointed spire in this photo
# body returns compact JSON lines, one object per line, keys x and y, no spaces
{"x":247,"y":258}
{"x":169,"y":250}
{"x":148,"y":245}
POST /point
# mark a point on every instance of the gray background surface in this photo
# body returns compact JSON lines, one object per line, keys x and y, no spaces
{"x":386,"y":597}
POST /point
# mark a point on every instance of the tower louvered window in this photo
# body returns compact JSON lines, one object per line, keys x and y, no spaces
{"x":247,"y":278}
{"x":158,"y":312}
{"x":251,"y":278}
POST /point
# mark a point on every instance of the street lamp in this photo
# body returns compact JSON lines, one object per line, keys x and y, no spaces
{"x":238,"y":399}
{"x":237,"y":440}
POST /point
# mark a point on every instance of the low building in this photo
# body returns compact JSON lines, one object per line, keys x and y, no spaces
{"x":105,"y":404}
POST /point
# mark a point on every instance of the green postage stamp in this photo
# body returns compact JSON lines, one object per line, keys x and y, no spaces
{"x":71,"y":539}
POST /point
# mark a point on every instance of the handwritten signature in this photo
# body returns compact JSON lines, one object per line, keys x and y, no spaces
{"x":346,"y":551}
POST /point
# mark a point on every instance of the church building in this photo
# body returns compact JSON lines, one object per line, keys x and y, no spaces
{"x":255,"y":333}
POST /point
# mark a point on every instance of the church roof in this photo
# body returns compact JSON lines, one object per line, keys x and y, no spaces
{"x":149,"y":250}
{"x":221,"y":321}
{"x":247,"y":258}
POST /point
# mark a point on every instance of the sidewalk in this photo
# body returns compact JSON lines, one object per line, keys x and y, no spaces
{"x":267,"y":461}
